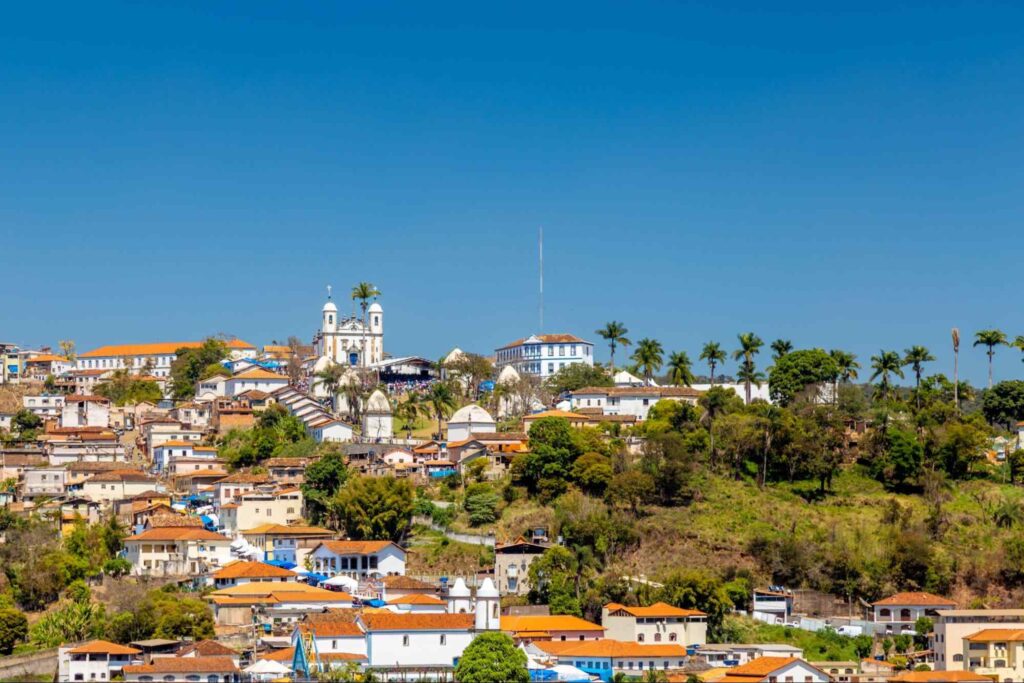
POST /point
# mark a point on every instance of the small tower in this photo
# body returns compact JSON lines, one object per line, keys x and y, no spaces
{"x":487,"y":607}
{"x":330,"y":319}
{"x":459,"y":601}
{"x":375,"y":315}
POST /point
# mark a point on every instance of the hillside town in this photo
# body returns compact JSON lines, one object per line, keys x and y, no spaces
{"x":320,"y":509}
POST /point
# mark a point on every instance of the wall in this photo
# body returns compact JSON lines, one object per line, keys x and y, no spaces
{"x":42,"y":663}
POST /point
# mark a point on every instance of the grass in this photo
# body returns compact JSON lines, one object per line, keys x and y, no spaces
{"x":822,"y":646}
{"x":432,"y":553}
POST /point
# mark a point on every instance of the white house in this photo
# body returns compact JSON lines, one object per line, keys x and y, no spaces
{"x":107,"y":487}
{"x":757,"y":392}
{"x":242,"y":572}
{"x":85,"y":411}
{"x":605,"y":657}
{"x":418,"y":603}
{"x":777,"y":670}
{"x":184,"y":670}
{"x":635,"y":401}
{"x":177,"y":551}
{"x":953,"y":626}
{"x":897,"y":613}
{"x":543,"y":355}
{"x":254,"y":378}
{"x":469,"y":420}
{"x":414,"y":646}
{"x":156,"y":358}
{"x":358,"y":559}
{"x":657,"y":623}
{"x":330,"y":429}
{"x":377,"y":420}
{"x":43,"y":405}
{"x":96,"y":660}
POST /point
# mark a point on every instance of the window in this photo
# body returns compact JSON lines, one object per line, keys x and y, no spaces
{"x":884,"y":613}
{"x":672,"y":637}
{"x":904,"y":614}
{"x":561,"y":349}
{"x":551,"y":350}
{"x":444,"y":639}
{"x":640,"y":637}
{"x":572,"y":350}
{"x":405,"y":641}
{"x":958,"y":658}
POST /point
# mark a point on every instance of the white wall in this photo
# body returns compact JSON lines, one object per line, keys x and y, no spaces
{"x":416,"y":648}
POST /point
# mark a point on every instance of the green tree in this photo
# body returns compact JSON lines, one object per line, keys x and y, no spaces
{"x":780,"y":347}
{"x":923,"y":626}
{"x":1003,"y":404}
{"x":554,"y":447}
{"x":796,"y":371}
{"x":750,"y":346}
{"x":679,"y":371}
{"x":592,"y":471}
{"x":471,"y":369}
{"x":482,"y":504}
{"x":441,"y":400}
{"x":191,"y":364}
{"x":696,"y":589}
{"x":863,"y":645}
{"x":554,"y":580}
{"x":632,"y":488}
{"x":124,"y":388}
{"x":899,"y":460}
{"x":990,"y":339}
{"x":374,"y":508}
{"x":614,"y":333}
{"x":25,"y":423}
{"x":13,"y":629}
{"x":577,"y":376}
{"x":322,"y":481}
{"x":648,"y":357}
{"x":916,"y":357}
{"x":492,"y":658}
{"x":330,"y":379}
{"x":714,"y":355}
{"x":884,"y":364}
{"x":363,"y":292}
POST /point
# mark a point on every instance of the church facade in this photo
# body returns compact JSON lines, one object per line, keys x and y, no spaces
{"x":346,"y":341}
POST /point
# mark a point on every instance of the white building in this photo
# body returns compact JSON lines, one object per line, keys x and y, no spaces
{"x":44,"y":405}
{"x":414,"y":646}
{"x":154,"y":358}
{"x":543,"y":355}
{"x":657,"y":623}
{"x":897,"y":613}
{"x":358,"y":559}
{"x":757,"y":393}
{"x":254,"y":378}
{"x":953,"y":626}
{"x":469,"y":420}
{"x":177,"y":551}
{"x":377,"y":420}
{"x":85,"y":411}
{"x":346,"y":340}
{"x":635,"y":401}
{"x":96,"y":660}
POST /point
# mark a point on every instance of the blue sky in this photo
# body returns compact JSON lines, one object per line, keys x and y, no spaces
{"x":844,"y":175}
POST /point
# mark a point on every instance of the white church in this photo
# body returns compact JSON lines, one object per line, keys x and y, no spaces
{"x":346,"y":341}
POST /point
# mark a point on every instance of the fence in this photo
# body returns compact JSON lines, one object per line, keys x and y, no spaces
{"x":42,"y":663}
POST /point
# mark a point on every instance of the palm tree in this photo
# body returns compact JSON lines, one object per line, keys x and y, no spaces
{"x":648,"y":357}
{"x":679,"y":372}
{"x":991,"y":339}
{"x":441,"y":400}
{"x":750,"y":346}
{"x":780,"y":347}
{"x":884,"y":363}
{"x":846,"y":369}
{"x":330,"y":379}
{"x":1018,"y":343}
{"x":409,"y":411}
{"x":956,"y":369}
{"x":713,"y":354}
{"x":615,"y":334}
{"x":916,"y":357}
{"x":363,"y":292}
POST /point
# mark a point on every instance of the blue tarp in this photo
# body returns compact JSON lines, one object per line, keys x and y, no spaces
{"x":283,"y":564}
{"x":375,"y":603}
{"x":313,"y":578}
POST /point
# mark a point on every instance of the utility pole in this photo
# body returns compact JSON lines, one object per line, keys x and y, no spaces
{"x":540,"y":245}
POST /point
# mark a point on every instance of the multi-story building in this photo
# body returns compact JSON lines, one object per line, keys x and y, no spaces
{"x":347,"y":341}
{"x":543,"y":355}
{"x":262,"y":505}
{"x":177,"y":551}
{"x":897,"y":613}
{"x":286,"y":543}
{"x":10,"y":363}
{"x":657,"y":623}
{"x":358,"y":559}
{"x":635,"y":401}
{"x":96,"y":660}
{"x":81,"y":410}
{"x":997,"y":653}
{"x":512,"y":565}
{"x":44,"y":405}
{"x":155,"y":358}
{"x":953,"y":626}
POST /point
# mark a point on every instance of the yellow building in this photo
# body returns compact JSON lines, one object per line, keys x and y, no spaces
{"x":996,"y":652}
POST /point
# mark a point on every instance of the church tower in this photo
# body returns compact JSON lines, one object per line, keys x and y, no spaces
{"x":375,"y":315}
{"x":328,"y":327}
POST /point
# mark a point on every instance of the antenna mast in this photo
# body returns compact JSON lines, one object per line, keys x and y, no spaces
{"x":541,"y":254}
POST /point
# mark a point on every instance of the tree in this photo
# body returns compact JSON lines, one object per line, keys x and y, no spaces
{"x":884,"y":364}
{"x":714,"y":355}
{"x":13,"y":629}
{"x":797,"y":370}
{"x":441,"y":400}
{"x":25,"y":423}
{"x":492,"y":658}
{"x":481,"y":503}
{"x":553,"y":449}
{"x":1003,"y":404}
{"x":123,"y":388}
{"x":899,"y":461}
{"x":592,"y":471}
{"x":846,"y":368}
{"x":648,"y":357}
{"x":553,"y":581}
{"x":67,"y":349}
{"x":363,"y":292}
{"x":717,"y":401}
{"x":696,"y":589}
{"x":374,"y":508}
{"x":916,"y":357}
{"x":990,"y":339}
{"x":615,"y":334}
{"x":633,"y":488}
{"x":471,"y":369}
{"x":780,"y":347}
{"x":191,"y":364}
{"x":577,"y":376}
{"x":750,"y":346}
{"x":863,"y":645}
{"x":679,"y":372}
{"x":322,"y":481}
{"x":330,"y":379}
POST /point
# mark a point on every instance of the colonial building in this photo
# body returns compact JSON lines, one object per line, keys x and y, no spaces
{"x":635,"y":401}
{"x":358,"y":559}
{"x":658,"y":623}
{"x":156,"y":358}
{"x":543,"y":355}
{"x":347,"y":341}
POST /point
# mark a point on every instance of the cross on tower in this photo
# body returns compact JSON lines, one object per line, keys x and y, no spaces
{"x":328,"y":291}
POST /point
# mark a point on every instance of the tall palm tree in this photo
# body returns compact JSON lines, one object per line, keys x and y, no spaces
{"x":409,"y":411}
{"x":956,"y":369}
{"x":648,"y":357}
{"x":363,"y":292}
{"x":679,"y":372}
{"x":750,"y":346}
{"x":884,"y":364}
{"x":713,"y":354}
{"x":330,"y":379}
{"x":780,"y":347}
{"x":1018,"y":343}
{"x":615,"y":334}
{"x":916,"y":357}
{"x":441,"y":400}
{"x":991,"y":339}
{"x":846,"y":369}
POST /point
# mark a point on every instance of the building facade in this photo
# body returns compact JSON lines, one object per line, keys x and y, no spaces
{"x":543,"y":355}
{"x":347,"y":341}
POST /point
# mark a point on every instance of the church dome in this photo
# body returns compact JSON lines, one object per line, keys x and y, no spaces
{"x":329,"y":307}
{"x":470,"y":413}
{"x":459,"y":590}
{"x":454,"y":355}
{"x":378,"y":403}
{"x":487,"y":589}
{"x":375,"y":308}
{"x":508,"y":375}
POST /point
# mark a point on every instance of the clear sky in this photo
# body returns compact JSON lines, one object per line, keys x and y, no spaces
{"x":844,"y":176}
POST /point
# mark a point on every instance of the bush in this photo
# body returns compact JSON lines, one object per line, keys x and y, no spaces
{"x":13,"y":629}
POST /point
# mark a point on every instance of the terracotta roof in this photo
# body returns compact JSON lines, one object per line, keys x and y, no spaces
{"x":993,"y":635}
{"x":184,"y":665}
{"x":332,"y":628}
{"x":940,"y":677}
{"x":548,"y":339}
{"x":544,"y":622}
{"x":46,"y":358}
{"x":101,"y":647}
{"x":356,"y":547}
{"x":258,"y":373}
{"x":757,"y":669}
{"x":917,"y":598}
{"x":176,"y":442}
{"x":405,"y":583}
{"x":154,"y":349}
{"x":250,"y":570}
{"x":286,"y":530}
{"x":207,"y":648}
{"x":97,"y":466}
{"x":85,"y":398}
{"x":658,"y":609}
{"x":416,"y":599}
{"x":273,"y":592}
{"x":638,"y":391}
{"x":611,"y":648}
{"x":285,"y":654}
{"x":388,"y":621}
{"x":174,"y":521}
{"x":245,"y":478}
{"x":255,"y":394}
{"x":121,"y":475}
{"x":177,"y":534}
{"x":555,"y":413}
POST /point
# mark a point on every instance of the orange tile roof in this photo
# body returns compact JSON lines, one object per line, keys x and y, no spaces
{"x":177,"y":534}
{"x":46,"y":358}
{"x":940,"y":677}
{"x":416,"y":599}
{"x":154,"y":349}
{"x":545,"y":622}
{"x":658,"y":609}
{"x":103,"y":647}
{"x":176,"y":442}
{"x":184,"y":665}
{"x":356,"y":547}
{"x":251,"y":570}
{"x":610,"y":648}
{"x":258,"y":373}
{"x":389,"y":621}
{"x":556,"y":413}
{"x":85,"y":398}
{"x":286,"y":530}
{"x":285,"y":654}
{"x":757,"y":669}
{"x":207,"y":648}
{"x":121,"y":475}
{"x":916,"y":598}
{"x":245,"y":478}
{"x":992,"y":635}
{"x":336,"y":628}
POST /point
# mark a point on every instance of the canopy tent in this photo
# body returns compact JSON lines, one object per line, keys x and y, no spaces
{"x":266,"y":670}
{"x":283,"y":564}
{"x":344,"y":581}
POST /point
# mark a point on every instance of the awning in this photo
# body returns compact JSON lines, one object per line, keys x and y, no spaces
{"x":283,"y":564}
